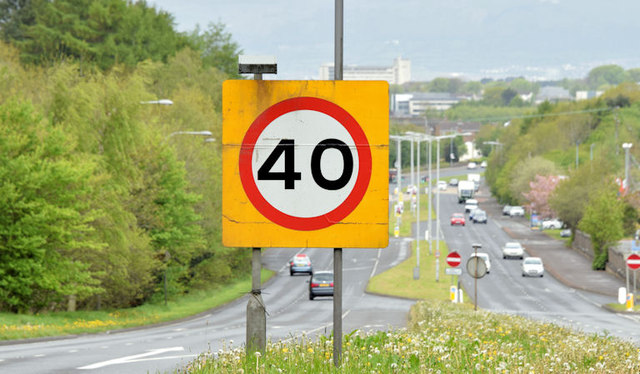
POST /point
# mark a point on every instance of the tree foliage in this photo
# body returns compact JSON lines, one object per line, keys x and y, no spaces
{"x":46,"y":222}
{"x":603,"y":222}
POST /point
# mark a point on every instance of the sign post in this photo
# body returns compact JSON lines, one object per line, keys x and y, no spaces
{"x":305,"y":164}
{"x":633,"y":262}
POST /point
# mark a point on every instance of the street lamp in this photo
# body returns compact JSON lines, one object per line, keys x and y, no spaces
{"x":158,"y":102}
{"x":201,"y":133}
{"x":626,"y":147}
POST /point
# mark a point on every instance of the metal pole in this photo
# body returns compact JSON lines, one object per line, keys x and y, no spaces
{"x":438,"y":212}
{"x":413,"y":179}
{"x":337,"y":69}
{"x":337,"y":252}
{"x":337,"y":306}
{"x":416,"y":271}
{"x":256,"y":314}
{"x":429,"y":200}
{"x":399,"y":169}
{"x":475,"y":281}
{"x":577,"y":154}
{"x":626,"y":168}
{"x":256,"y":334}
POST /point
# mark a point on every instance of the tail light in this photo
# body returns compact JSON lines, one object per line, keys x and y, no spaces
{"x":331,"y":284}
{"x":313,"y":285}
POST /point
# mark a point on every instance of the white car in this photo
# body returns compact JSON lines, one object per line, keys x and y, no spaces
{"x":472,"y":165}
{"x":516,"y":211}
{"x":532,"y":267}
{"x":485,"y":257}
{"x":552,"y":224}
{"x":483,"y":164}
{"x":442,"y":185}
{"x":513,"y":249}
{"x":470,"y":205}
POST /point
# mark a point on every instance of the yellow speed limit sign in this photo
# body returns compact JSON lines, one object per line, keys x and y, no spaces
{"x":305,"y":163}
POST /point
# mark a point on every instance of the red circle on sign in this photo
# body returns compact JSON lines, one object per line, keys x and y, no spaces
{"x":453,"y":259}
{"x":364,"y":160}
{"x":633,"y":261}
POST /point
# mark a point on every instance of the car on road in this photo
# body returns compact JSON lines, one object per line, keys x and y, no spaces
{"x":566,"y":233}
{"x":457,"y":219}
{"x":300,"y":263}
{"x":516,"y":211}
{"x":321,"y":284}
{"x":453,"y":182}
{"x":513,"y":249}
{"x":532,"y":267}
{"x":485,"y":257}
{"x":483,"y":164}
{"x":479,"y":216}
{"x":551,"y":224}
{"x":505,"y":210}
{"x":470,"y":204}
{"x":442,"y":185}
{"x":472,"y":165}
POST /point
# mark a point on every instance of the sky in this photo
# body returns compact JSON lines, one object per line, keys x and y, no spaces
{"x":471,"y":39}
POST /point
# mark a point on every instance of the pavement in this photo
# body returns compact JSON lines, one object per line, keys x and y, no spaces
{"x":568,"y":266}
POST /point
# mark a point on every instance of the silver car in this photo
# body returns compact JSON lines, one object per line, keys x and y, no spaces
{"x":485,"y":257}
{"x":532,"y":267}
{"x":513,"y":249}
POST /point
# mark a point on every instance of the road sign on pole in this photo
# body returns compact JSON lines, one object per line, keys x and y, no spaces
{"x":633,"y":261}
{"x":453,"y":259}
{"x":305,"y":163}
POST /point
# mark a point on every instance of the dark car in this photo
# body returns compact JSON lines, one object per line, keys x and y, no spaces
{"x":321,"y":284}
{"x":479,"y":216}
{"x":300,"y":263}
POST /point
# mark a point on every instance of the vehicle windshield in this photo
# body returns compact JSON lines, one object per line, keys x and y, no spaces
{"x":323,"y":277}
{"x":513,"y":245}
{"x":532,"y":261}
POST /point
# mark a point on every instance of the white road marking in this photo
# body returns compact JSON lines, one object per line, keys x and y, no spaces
{"x":138,"y":357}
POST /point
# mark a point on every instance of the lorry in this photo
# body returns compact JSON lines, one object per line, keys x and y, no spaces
{"x":475,"y":178}
{"x":465,"y":190}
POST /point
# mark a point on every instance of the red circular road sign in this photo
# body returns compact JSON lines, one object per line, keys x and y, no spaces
{"x":303,"y":192}
{"x":453,"y":259}
{"x":633,"y":261}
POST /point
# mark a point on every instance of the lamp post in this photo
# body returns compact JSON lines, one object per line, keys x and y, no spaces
{"x":158,"y":102}
{"x":200,"y":133}
{"x":626,"y":147}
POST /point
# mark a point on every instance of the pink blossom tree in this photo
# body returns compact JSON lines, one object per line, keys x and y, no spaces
{"x":540,"y":191}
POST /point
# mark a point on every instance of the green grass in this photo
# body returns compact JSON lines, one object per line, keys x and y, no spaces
{"x":399,"y":281}
{"x":441,"y":338}
{"x":21,"y":326}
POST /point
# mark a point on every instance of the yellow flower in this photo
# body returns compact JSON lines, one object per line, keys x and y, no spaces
{"x":310,"y":350}
{"x":285,"y":350}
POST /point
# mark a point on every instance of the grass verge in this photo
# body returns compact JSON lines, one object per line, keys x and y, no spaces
{"x":398,"y":281}
{"x":441,"y":338}
{"x":21,"y":326}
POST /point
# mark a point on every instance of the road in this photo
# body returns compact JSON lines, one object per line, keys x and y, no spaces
{"x":290,"y":314}
{"x":504,"y":290}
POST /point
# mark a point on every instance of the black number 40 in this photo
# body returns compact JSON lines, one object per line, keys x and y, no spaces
{"x":286,"y":149}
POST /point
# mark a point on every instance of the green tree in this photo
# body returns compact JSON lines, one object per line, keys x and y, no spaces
{"x":606,"y":75}
{"x":603,"y":222}
{"x":46,"y":218}
{"x":217,"y":49}
{"x":526,"y":171}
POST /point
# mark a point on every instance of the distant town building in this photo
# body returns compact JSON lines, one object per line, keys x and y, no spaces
{"x":552,"y":94}
{"x":416,"y":104}
{"x":585,"y":95}
{"x":399,"y":73}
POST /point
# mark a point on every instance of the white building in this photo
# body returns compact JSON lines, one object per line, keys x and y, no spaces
{"x":416,"y":104}
{"x":399,"y":73}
